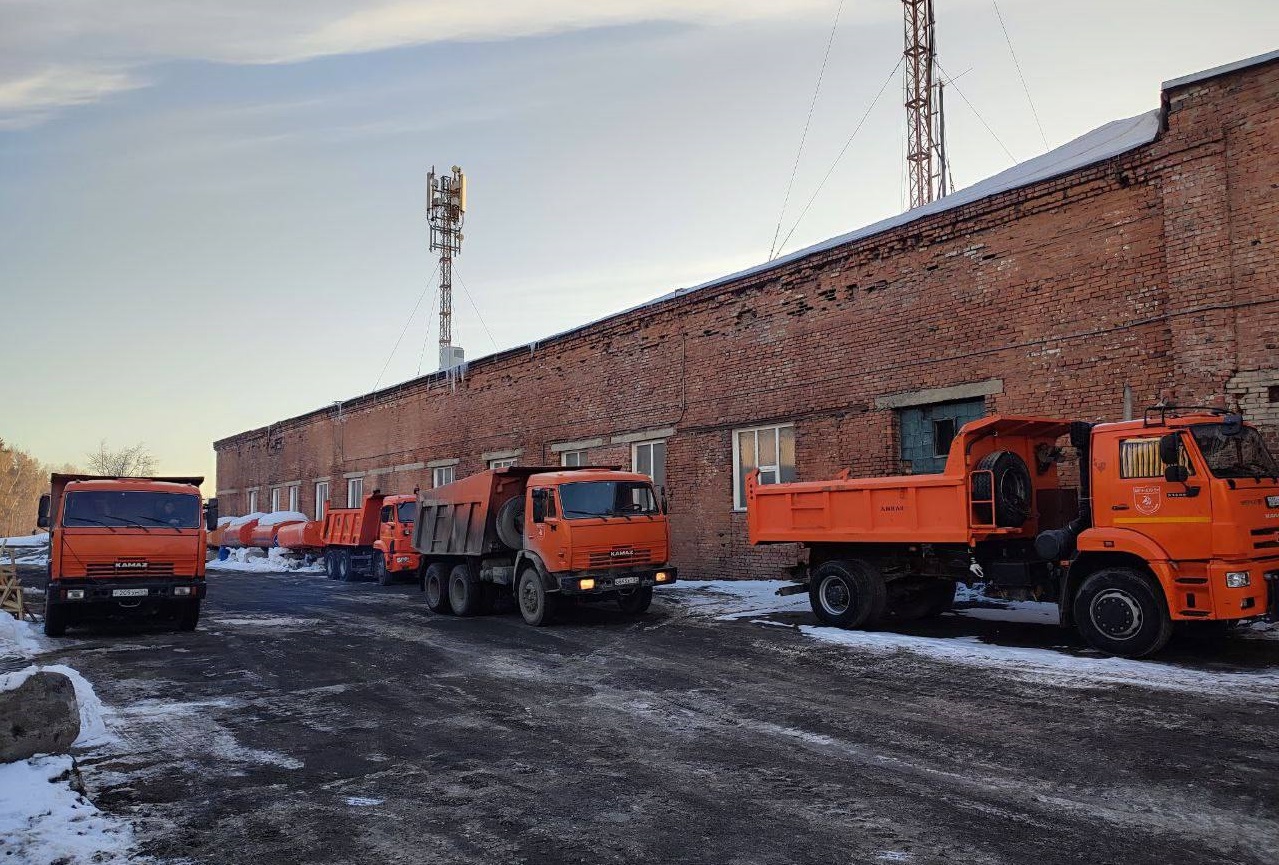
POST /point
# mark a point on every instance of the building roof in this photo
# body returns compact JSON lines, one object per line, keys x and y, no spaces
{"x":1224,"y":69}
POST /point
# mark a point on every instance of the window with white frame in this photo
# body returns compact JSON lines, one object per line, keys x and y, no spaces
{"x":573,"y":458}
{"x":295,"y":492}
{"x":441,"y":475}
{"x":321,"y":499}
{"x":502,"y":463}
{"x":354,"y":492}
{"x":253,"y":502}
{"x":771,"y":449}
{"x":649,"y":458}
{"x":275,"y":499}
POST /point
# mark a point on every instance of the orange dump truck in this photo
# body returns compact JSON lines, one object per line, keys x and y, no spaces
{"x":371,"y":540}
{"x":544,"y":534}
{"x":1177,"y":520}
{"x":124,"y":548}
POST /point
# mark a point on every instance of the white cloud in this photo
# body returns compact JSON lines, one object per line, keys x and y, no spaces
{"x":56,"y":54}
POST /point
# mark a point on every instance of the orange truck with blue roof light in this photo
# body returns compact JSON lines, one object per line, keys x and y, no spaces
{"x":1177,"y":521}
{"x":130,"y":548}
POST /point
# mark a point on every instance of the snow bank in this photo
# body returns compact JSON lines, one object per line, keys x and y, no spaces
{"x":282,"y":517}
{"x":731,"y":599}
{"x":37,"y":540}
{"x":93,"y":727}
{"x":253,"y":560}
{"x":43,"y":819}
{"x":20,"y":639}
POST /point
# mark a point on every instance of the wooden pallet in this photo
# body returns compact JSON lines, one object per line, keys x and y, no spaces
{"x":11,"y":601}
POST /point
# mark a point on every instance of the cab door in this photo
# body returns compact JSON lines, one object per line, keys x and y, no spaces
{"x":1131,"y":493}
{"x":549,"y":534}
{"x":386,"y":528}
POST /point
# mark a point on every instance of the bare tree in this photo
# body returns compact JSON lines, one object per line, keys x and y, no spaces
{"x":22,"y":480}
{"x":126,"y":462}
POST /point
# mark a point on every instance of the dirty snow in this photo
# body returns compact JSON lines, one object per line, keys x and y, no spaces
{"x":43,"y":819}
{"x":362,"y":801}
{"x":278,"y":517}
{"x":729,"y":600}
{"x":253,"y":560}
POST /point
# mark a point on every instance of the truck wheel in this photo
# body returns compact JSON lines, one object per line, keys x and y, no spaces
{"x":331,"y":564}
{"x":635,"y":601}
{"x":189,"y":617}
{"x":537,"y":605}
{"x":437,"y":589}
{"x":55,"y":619}
{"x":1012,"y":487}
{"x":510,"y":523}
{"x":1122,"y":612}
{"x":848,"y":594}
{"x":380,"y":573}
{"x":345,"y":572}
{"x":465,"y":595}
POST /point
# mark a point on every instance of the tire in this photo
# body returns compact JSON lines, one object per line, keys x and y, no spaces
{"x":510,"y":523}
{"x":380,"y":573}
{"x":848,"y":594}
{"x":189,"y":617}
{"x":1013,"y":489}
{"x":537,"y":605}
{"x":465,"y":594}
{"x":1121,"y":611}
{"x":345,"y":572}
{"x":636,"y":601}
{"x":923,"y":601}
{"x":331,"y":564}
{"x":55,"y":620}
{"x":436,"y":586}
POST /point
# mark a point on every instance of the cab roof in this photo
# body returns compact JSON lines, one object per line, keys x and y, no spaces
{"x":97,"y":482}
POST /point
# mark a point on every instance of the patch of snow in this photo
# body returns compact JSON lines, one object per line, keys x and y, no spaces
{"x":255,"y":560}
{"x":42,"y":819}
{"x":37,"y":540}
{"x":222,"y":521}
{"x":1033,"y":612}
{"x":236,"y":522}
{"x":21,"y":639}
{"x":93,"y":727}
{"x":278,"y":517}
{"x":893,"y":856}
{"x":362,"y":801}
{"x":264,"y":621}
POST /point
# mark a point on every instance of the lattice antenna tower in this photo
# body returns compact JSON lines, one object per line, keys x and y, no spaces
{"x":925,"y":122}
{"x":445,"y":211}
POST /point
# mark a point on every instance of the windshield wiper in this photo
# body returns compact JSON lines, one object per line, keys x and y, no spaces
{"x":91,"y":520}
{"x":585,"y":514}
{"x":157,"y":522}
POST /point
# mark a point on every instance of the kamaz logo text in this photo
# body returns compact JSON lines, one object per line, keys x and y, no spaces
{"x":619,"y":553}
{"x":129,"y":565}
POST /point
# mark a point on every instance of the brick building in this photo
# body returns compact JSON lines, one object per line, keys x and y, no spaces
{"x":1135,"y":260}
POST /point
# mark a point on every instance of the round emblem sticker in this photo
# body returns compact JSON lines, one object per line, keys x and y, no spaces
{"x":1147,"y":500}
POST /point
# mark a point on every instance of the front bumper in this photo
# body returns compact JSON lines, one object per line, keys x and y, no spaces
{"x":608,"y":581}
{"x":100,"y":593}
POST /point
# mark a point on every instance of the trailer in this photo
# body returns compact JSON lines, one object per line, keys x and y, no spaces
{"x":1176,"y":521}
{"x":546,"y":534}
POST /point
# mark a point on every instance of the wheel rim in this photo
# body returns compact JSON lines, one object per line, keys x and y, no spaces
{"x":457,"y":594}
{"x":835,"y":596}
{"x":1116,"y":613}
{"x":528,"y":597}
{"x":433,"y":591}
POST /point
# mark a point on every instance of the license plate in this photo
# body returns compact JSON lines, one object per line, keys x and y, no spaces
{"x":1272,"y":501}
{"x":130,"y":593}
{"x":626,"y":581}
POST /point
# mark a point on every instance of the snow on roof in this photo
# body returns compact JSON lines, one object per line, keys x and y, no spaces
{"x":278,"y":517}
{"x":1196,"y":77}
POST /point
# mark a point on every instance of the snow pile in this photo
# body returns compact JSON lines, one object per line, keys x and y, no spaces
{"x":236,"y":522}
{"x":20,"y":639}
{"x":278,"y":517}
{"x":254,"y":560}
{"x":44,"y":819}
{"x":93,"y":727}
{"x":737,"y":599}
{"x":37,"y":540}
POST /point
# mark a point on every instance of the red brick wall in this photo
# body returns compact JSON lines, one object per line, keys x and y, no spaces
{"x":1155,"y":270}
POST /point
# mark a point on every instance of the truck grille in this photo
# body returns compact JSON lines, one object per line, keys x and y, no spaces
{"x":1266,"y":539}
{"x":129,"y":567}
{"x":619,"y":557}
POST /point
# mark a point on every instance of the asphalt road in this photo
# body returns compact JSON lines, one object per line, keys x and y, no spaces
{"x":318,"y":722}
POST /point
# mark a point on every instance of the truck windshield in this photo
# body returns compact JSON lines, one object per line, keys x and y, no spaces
{"x":607,"y":499}
{"x":1243,"y":455}
{"x":404,"y":512}
{"x":112,"y":508}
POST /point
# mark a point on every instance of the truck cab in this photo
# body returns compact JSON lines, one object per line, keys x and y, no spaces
{"x":124,"y":548}
{"x":395,"y":536}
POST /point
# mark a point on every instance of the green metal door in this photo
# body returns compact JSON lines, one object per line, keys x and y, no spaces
{"x":927,"y":430}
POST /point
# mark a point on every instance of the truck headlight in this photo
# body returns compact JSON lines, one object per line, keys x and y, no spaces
{"x":586,"y":585}
{"x":662,"y":576}
{"x":1237,"y":579}
{"x":182,"y":590}
{"x":75,"y":594}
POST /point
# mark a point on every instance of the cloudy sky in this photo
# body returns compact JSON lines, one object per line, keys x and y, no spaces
{"x":211,"y":214}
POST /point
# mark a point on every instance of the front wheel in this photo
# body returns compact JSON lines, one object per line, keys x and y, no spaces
{"x":537,"y":605}
{"x":189,"y":617}
{"x":848,"y":594}
{"x":436,"y":586}
{"x":1121,"y":611}
{"x":635,"y":601}
{"x":55,"y":619}
{"x":380,"y":572}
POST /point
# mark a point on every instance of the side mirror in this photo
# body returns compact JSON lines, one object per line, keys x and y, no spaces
{"x":211,"y":514}
{"x":42,"y":517}
{"x":539,"y":506}
{"x":663,"y":502}
{"x":1170,"y":449}
{"x":1176,"y":474}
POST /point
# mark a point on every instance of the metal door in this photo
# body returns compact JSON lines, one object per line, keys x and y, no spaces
{"x":925,"y":433}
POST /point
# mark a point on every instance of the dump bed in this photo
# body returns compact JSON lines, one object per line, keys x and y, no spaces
{"x":459,"y":519}
{"x":354,"y":527}
{"x":946,"y":508}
